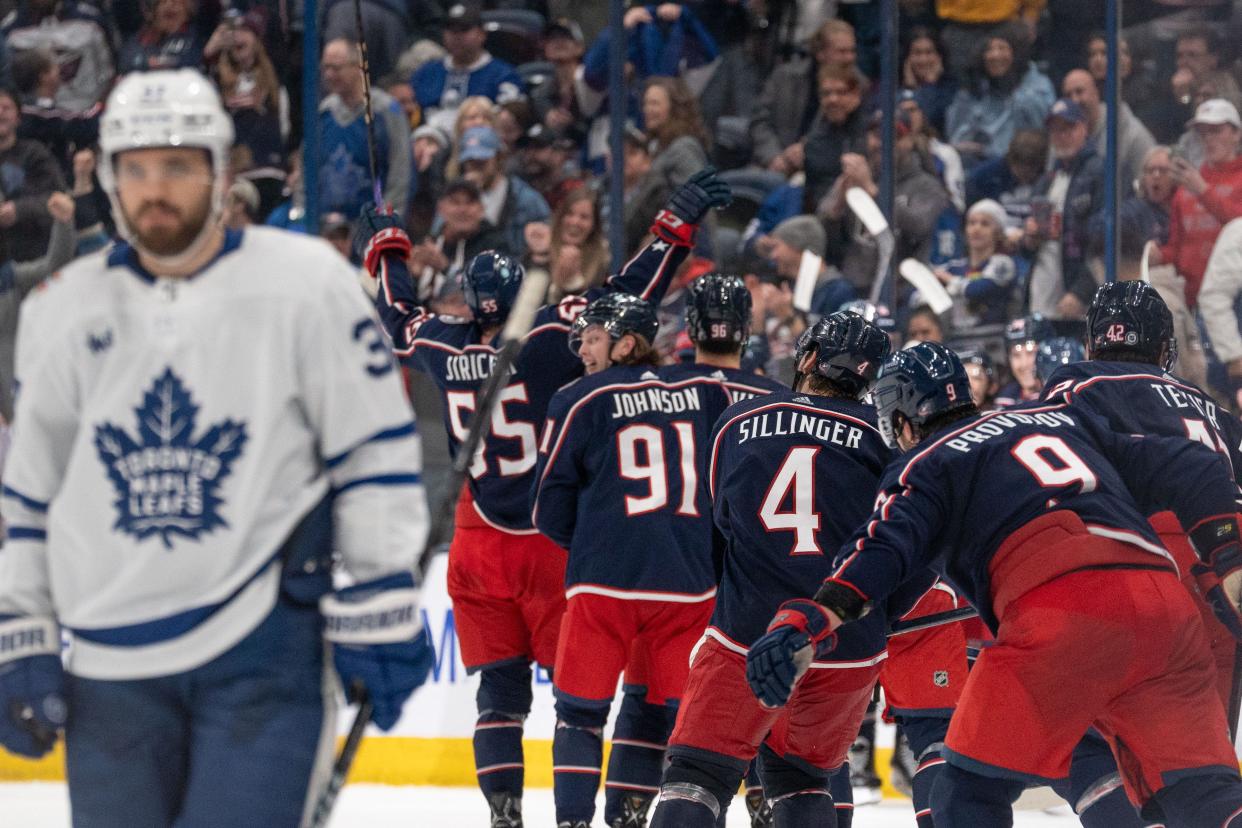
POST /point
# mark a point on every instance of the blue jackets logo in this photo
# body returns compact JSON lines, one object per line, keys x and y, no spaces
{"x":167,"y":482}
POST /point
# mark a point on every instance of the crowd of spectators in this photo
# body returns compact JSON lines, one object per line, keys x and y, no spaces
{"x":491,"y":126}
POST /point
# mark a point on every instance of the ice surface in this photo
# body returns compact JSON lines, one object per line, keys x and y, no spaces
{"x":46,"y":805}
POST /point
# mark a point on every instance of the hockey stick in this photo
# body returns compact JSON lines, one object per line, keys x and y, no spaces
{"x":529,"y":299}
{"x":868,"y":212}
{"x":1145,"y":263}
{"x":921,"y":277}
{"x":934,"y":620}
{"x":340,"y":768}
{"x":368,"y":115}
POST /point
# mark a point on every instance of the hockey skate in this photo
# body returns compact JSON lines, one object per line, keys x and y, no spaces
{"x":506,"y":810}
{"x":633,"y":812}
{"x":759,"y":809}
{"x":903,"y":766}
{"x":863,"y":778}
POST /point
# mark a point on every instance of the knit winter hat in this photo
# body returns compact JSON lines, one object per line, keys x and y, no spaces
{"x":802,"y":233}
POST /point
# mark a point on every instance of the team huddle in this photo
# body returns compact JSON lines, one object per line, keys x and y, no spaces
{"x":747,"y":561}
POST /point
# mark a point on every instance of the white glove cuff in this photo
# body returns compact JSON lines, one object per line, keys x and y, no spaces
{"x":27,"y":636}
{"x":384,"y":618}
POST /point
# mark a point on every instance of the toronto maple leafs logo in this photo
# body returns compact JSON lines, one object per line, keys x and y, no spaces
{"x":167,"y":482}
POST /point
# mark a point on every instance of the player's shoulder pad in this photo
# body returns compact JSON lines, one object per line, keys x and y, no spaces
{"x":78,"y":286}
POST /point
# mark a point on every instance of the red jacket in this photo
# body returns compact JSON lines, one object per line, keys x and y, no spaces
{"x":1195,"y":222}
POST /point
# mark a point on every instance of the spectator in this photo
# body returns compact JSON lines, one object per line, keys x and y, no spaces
{"x":291,"y":214}
{"x":467,"y":70}
{"x":77,"y":34}
{"x":1003,"y":93}
{"x":19,"y":277}
{"x":543,"y":157}
{"x":1058,"y":231}
{"x":337,"y":230}
{"x":463,"y":232}
{"x":344,"y":175}
{"x":918,"y":202}
{"x":791,"y":98}
{"x":982,"y":282}
{"x":981,"y":372}
{"x":1139,"y":88}
{"x":1022,"y":338}
{"x":92,"y":210}
{"x":1147,"y":211}
{"x":946,"y":159}
{"x":1198,"y":62}
{"x":1218,"y":302}
{"x":969,"y":23}
{"x":641,"y":201}
{"x":473,"y":112}
{"x":399,"y":89}
{"x":923,"y":73}
{"x":557,"y":101}
{"x":1011,"y":180}
{"x":840,"y":128}
{"x":1206,"y":198}
{"x":431,"y":151}
{"x":796,"y":236}
{"x":1133,"y":139}
{"x":387,"y":25}
{"x":62,"y":131}
{"x":513,"y":120}
{"x":923,"y":326}
{"x":168,"y":40}
{"x":669,"y":43}
{"x":28,"y":175}
{"x":573,"y":249}
{"x":678,"y":147}
{"x":509,"y":202}
{"x":256,"y":101}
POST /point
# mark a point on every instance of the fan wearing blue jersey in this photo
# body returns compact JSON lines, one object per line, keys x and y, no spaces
{"x":507,"y":580}
{"x":790,"y":475}
{"x":1127,"y":382}
{"x":1032,"y":515}
{"x":190,"y":452}
{"x":618,"y":486}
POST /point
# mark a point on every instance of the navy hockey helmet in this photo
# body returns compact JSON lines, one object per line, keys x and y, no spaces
{"x":1131,"y":316}
{"x":848,"y":350}
{"x":718,"y":311}
{"x":878,"y":314}
{"x":919,"y":383}
{"x":980,"y":357}
{"x":1031,"y":329}
{"x":757,"y":355}
{"x":1055,"y":352}
{"x":490,"y":285}
{"x":618,"y":314}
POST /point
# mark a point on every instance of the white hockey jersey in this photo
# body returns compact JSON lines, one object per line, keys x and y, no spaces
{"x":170,"y":434}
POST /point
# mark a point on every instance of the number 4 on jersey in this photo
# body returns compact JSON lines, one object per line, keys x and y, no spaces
{"x":795,"y":482}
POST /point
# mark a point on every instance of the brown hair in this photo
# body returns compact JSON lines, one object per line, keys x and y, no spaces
{"x":595,"y":252}
{"x":644,"y":353}
{"x":267,"y":84}
{"x":826,"y":30}
{"x":849,"y":75}
{"x":683,"y":116}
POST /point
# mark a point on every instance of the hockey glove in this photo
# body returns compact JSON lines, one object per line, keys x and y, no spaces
{"x":378,"y":232}
{"x":800,"y":631}
{"x":378,"y":641}
{"x":32,"y":692}
{"x":677,"y":222}
{"x":1219,"y":576}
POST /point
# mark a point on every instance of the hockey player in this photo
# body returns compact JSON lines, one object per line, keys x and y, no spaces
{"x":506,"y":580}
{"x":718,"y":310}
{"x":217,"y":418}
{"x":1022,"y":338}
{"x":1070,"y":576}
{"x":1126,"y":382}
{"x":790,"y":475}
{"x":618,"y":486}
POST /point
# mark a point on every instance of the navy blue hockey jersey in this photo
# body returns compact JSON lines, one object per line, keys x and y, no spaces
{"x":964,"y":492}
{"x":619,"y":481}
{"x":451,"y":350}
{"x":1141,"y":399}
{"x":791,"y":477}
{"x":745,"y":385}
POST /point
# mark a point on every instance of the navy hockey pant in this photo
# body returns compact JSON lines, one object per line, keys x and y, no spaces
{"x":236,"y":741}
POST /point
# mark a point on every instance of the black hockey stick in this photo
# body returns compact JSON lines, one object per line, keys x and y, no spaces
{"x":24,"y":715}
{"x":934,"y":620}
{"x":368,"y":115}
{"x":340,"y":768}
{"x":512,"y":338}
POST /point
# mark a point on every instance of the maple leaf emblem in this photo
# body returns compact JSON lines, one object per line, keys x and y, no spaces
{"x":167,"y":483}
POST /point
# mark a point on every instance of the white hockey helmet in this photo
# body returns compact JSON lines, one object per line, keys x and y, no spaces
{"x":170,"y":108}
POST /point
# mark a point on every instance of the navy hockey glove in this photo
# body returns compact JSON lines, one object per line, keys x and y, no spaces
{"x":377,"y":232}
{"x":800,"y":631}
{"x":32,"y":685}
{"x":378,"y":641}
{"x":690,"y":202}
{"x":1219,"y":576}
